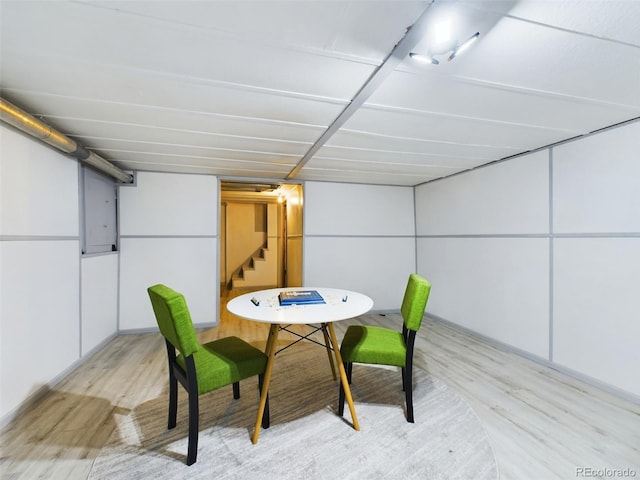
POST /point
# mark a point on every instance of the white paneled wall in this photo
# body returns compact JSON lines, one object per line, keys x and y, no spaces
{"x":341,"y":209}
{"x":507,"y":198}
{"x":377,"y":267}
{"x":168,"y":227}
{"x":596,"y":183}
{"x":99,"y":280}
{"x":498,"y":287}
{"x":39,"y":188}
{"x":165,"y":204}
{"x":184,"y":264}
{"x":40,"y":315}
{"x":359,"y":237}
{"x":596,"y":191}
{"x":596,"y":327}
{"x":39,"y":267}
{"x":477,"y":245}
{"x":544,"y":259}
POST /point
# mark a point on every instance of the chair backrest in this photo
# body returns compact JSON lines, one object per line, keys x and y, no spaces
{"x":174,"y":320}
{"x":415,"y":301}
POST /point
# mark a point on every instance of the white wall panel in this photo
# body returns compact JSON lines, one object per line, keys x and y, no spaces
{"x":596,"y":309}
{"x":170,"y":204}
{"x":596,"y":183}
{"x":506,"y":198}
{"x":378,"y":267}
{"x":99,"y":300}
{"x":39,"y":316}
{"x":498,"y":287}
{"x":350,"y":209}
{"x":188,"y":265}
{"x":38,"y":188}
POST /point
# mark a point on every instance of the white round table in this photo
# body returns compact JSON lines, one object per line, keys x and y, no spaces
{"x":264,"y":306}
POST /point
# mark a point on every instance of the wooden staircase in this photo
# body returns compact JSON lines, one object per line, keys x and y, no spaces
{"x":259,"y":270}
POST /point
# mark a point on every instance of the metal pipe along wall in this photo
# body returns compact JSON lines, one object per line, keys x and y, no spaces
{"x":27,"y":123}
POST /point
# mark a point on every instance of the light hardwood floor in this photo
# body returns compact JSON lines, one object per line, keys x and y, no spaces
{"x":541,"y":423}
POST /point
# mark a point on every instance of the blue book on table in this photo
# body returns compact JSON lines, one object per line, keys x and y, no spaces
{"x":300,"y":297}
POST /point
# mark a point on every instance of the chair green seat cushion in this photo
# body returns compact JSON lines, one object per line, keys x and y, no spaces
{"x":376,"y":345}
{"x":225,"y":361}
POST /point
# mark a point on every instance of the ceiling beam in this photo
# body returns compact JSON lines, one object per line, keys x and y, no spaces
{"x":414,"y":34}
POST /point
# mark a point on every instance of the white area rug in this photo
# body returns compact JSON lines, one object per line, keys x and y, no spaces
{"x":307,"y":440}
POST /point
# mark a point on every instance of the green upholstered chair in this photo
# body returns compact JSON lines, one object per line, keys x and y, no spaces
{"x":200,"y":368}
{"x":384,"y":346}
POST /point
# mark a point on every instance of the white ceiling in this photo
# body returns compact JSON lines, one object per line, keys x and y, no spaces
{"x":246,"y":88}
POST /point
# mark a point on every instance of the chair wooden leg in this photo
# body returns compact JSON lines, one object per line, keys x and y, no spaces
{"x":194,"y":410}
{"x":173,"y":400}
{"x":348,"y":368}
{"x":236,"y":390}
{"x":266,"y":422}
{"x":407,"y":373}
{"x":192,"y":449}
{"x":173,"y":386}
{"x":341,"y":400}
{"x":408,"y":391}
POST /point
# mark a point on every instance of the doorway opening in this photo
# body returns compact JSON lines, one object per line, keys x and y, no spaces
{"x":260,"y":236}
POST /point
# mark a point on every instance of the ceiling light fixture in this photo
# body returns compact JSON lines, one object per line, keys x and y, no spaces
{"x":418,"y":57}
{"x":463,"y":46}
{"x":455,"y":51}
